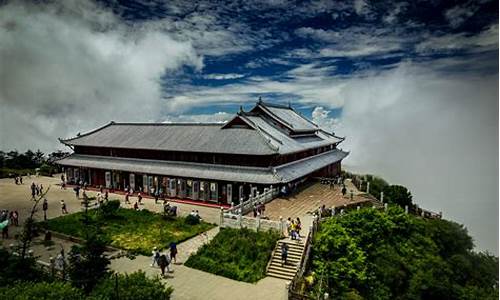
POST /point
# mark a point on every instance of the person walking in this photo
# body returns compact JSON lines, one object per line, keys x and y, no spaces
{"x":288,"y":226}
{"x":163,"y":263}
{"x":20,"y":179}
{"x":16,"y":218}
{"x":126,"y":198}
{"x":344,"y":191}
{"x":173,"y":252}
{"x":139,"y":198}
{"x":136,"y":206}
{"x":284,"y":253}
{"x":63,"y":208}
{"x":156,"y":256}
{"x":292,"y":230}
{"x":298,"y":227}
{"x":106,"y":196}
{"x":41,"y":188}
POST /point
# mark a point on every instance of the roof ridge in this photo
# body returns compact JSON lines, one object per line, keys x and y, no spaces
{"x":87,"y":133}
{"x":170,"y":123}
{"x":259,"y":131}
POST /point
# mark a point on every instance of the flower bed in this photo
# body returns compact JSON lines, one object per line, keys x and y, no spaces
{"x":239,"y":254}
{"x":134,"y":231}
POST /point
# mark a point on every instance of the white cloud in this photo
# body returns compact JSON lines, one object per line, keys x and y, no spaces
{"x":486,"y":40}
{"x":71,"y":66}
{"x":433,"y":132}
{"x":224,"y":76}
{"x":351,"y":42}
{"x":457,"y":15}
{"x":321,"y":118}
{"x":360,"y":6}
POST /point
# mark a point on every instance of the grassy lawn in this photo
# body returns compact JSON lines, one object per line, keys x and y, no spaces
{"x":239,"y":254}
{"x":135,"y":231}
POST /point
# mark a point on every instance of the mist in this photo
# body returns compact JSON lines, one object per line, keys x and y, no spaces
{"x":433,"y":132}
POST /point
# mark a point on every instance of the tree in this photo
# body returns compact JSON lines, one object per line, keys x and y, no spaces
{"x":87,"y":263}
{"x":134,"y":286}
{"x":398,"y":194}
{"x":41,"y":290}
{"x":338,"y":261}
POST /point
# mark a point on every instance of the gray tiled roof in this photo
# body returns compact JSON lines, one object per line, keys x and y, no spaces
{"x":272,"y":175}
{"x":208,"y":138}
{"x":290,"y":117}
{"x":263,"y":138}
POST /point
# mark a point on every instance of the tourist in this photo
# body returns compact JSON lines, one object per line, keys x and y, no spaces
{"x":16,"y":180}
{"x":344,"y":190}
{"x":101,"y":190}
{"x":163,"y":263}
{"x":262,"y":208}
{"x":288,"y":226}
{"x":59,"y":262}
{"x":20,"y":179}
{"x":156,"y":256}
{"x":173,"y":252}
{"x":45,"y":207}
{"x":77,"y":192}
{"x":298,"y":227}
{"x":15,"y":216}
{"x":254,"y":210}
{"x":156,"y":197}
{"x":11,"y":217}
{"x":106,"y":196}
{"x":126,"y":198}
{"x":63,"y":207}
{"x":33,"y":188}
{"x":136,"y":206}
{"x":284,"y":253}
{"x":41,"y":188}
{"x":139,"y":198}
{"x":292,"y":230}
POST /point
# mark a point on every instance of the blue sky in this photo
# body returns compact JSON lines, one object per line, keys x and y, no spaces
{"x":413,"y":85}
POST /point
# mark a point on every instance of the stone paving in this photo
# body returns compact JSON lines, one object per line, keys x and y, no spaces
{"x":309,"y":199}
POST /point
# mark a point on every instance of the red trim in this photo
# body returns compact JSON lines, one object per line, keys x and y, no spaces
{"x":145,"y":196}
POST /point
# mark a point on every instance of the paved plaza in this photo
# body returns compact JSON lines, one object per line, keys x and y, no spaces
{"x":310,"y":198}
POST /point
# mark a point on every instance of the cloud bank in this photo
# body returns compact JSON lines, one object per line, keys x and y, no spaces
{"x":435,"y":133}
{"x":72,"y":65}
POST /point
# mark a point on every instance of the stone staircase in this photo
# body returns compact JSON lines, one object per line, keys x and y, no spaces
{"x":287,"y":271}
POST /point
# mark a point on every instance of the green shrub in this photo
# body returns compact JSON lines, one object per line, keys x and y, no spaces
{"x":192,"y":220}
{"x":110,"y":208}
{"x":41,"y":291}
{"x":134,"y":286}
{"x":237,"y":254}
{"x":46,"y":170}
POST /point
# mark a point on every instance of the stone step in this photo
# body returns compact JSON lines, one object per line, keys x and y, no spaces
{"x":297,"y":252}
{"x":291,"y":258}
{"x":282,"y":270}
{"x":280,"y":276}
{"x":292,"y":244}
{"x":289,"y":265}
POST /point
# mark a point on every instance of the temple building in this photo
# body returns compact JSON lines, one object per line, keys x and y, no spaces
{"x":270,"y":145}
